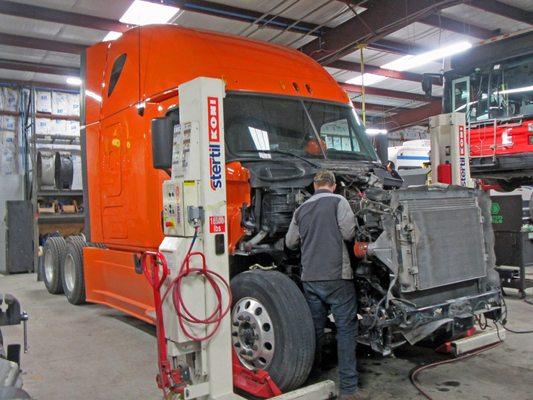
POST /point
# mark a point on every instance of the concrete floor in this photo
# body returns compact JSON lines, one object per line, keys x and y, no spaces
{"x":92,"y":352}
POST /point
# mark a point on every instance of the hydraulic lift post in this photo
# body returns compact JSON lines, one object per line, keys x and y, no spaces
{"x":193,"y":284}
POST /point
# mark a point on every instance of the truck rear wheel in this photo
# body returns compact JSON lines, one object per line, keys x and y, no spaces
{"x":72,"y":271}
{"x":272,"y":327}
{"x":53,"y":253}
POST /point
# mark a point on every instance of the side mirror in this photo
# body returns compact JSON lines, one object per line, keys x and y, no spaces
{"x":162,"y":138}
{"x":427,"y":85}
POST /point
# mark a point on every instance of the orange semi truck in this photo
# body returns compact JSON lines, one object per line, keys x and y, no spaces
{"x":423,"y":258}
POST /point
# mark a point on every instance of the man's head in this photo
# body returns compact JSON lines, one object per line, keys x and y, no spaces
{"x":325,"y":180}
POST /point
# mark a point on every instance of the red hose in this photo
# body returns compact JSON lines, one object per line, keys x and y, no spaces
{"x":217,"y":283}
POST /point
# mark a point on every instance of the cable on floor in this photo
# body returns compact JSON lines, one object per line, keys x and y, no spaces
{"x":418,"y":370}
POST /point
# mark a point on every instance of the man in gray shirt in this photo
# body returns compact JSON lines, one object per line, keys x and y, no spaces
{"x":320,"y":226}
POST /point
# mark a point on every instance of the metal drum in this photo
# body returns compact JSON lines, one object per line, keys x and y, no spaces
{"x":46,"y":169}
{"x":64,"y":170}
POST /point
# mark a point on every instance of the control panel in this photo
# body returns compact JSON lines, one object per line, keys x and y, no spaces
{"x":181,"y":210}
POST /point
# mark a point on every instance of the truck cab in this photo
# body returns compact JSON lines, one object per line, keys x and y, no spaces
{"x":285,"y":118}
{"x":494,"y":88}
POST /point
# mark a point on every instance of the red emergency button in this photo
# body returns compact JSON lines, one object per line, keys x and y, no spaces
{"x":169,"y":224}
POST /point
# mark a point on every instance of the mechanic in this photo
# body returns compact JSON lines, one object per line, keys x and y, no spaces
{"x":320,"y":226}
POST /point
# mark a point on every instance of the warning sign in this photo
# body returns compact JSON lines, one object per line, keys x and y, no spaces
{"x":217,"y":224}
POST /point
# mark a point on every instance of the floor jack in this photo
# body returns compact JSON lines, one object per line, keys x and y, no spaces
{"x":190,"y":272}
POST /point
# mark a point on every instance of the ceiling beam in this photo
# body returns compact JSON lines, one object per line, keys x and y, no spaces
{"x":505,"y":10}
{"x":383,"y":108}
{"x":38,"y":84}
{"x":452,"y":25}
{"x":40,"y":68}
{"x":61,"y":17}
{"x":373,"y":69}
{"x":380,"y":19}
{"x":203,"y":7}
{"x":374,"y":91}
{"x":393,"y":46}
{"x":413,"y":116}
{"x":41,"y":44}
{"x":240,"y":14}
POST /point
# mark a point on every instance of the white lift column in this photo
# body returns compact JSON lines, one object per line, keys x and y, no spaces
{"x":197,"y":190}
{"x":196,"y":196}
{"x":449,"y":145}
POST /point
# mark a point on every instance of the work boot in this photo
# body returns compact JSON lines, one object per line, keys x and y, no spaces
{"x":359,"y":395}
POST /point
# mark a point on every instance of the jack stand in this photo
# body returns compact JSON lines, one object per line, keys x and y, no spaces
{"x":472,"y":341}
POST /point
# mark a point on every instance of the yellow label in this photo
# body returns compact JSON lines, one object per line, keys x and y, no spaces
{"x":189,"y":183}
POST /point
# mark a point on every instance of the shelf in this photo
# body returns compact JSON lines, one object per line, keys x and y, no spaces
{"x":53,"y":116}
{"x":59,"y":193}
{"x":60,"y":218}
{"x":11,"y":113}
{"x":53,"y":138}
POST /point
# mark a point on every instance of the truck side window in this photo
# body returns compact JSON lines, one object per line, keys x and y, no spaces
{"x":118,"y":65}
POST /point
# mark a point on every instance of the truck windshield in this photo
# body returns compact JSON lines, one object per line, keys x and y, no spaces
{"x":499,"y":91}
{"x":269,"y":127}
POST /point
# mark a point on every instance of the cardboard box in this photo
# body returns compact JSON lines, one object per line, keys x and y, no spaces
{"x":10,"y":99}
{"x":43,"y":101}
{"x":58,"y":127}
{"x":70,"y":208}
{"x":8,"y":138}
{"x":8,"y":160}
{"x":73,"y":104}
{"x":42,"y":126}
{"x":60,"y":105}
{"x":46,"y":207}
{"x":73,"y":128}
{"x":8,"y":123}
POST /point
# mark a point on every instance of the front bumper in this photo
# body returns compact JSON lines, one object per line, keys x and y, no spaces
{"x":419,"y":323}
{"x":505,"y":165}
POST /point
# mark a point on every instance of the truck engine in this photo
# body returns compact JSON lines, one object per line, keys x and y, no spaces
{"x":416,"y":273}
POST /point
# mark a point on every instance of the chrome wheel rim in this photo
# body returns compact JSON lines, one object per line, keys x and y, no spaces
{"x":252,"y":333}
{"x":49,"y":265}
{"x":69,"y":272}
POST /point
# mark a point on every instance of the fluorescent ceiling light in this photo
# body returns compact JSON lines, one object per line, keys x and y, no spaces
{"x":144,"y":12}
{"x":73,"y":80}
{"x":366,"y":79}
{"x":410,"y":62}
{"x":376,"y":131}
{"x":93,"y":95}
{"x":517,"y":90}
{"x":111,"y":36}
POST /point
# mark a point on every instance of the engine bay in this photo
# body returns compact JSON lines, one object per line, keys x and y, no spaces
{"x":415,"y":277}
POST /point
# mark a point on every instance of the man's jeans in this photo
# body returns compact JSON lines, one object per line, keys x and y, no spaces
{"x":339,"y":297}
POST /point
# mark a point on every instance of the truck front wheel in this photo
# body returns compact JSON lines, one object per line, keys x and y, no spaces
{"x":272,"y":327}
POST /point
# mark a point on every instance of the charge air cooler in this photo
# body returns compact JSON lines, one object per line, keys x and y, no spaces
{"x":435,"y":237}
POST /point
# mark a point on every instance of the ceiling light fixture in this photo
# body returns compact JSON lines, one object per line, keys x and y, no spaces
{"x":411,"y":62}
{"x":516,"y":90}
{"x":73,"y":80}
{"x":366,"y":79}
{"x":144,"y":12}
{"x":376,"y":131}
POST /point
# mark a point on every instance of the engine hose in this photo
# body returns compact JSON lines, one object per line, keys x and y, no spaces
{"x":217,"y":283}
{"x":415,"y":372}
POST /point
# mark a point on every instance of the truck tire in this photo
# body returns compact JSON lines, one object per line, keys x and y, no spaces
{"x":72,"y":277}
{"x":53,"y":253}
{"x":272,"y":327}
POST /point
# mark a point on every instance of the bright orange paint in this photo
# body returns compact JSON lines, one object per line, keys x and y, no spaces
{"x":124,"y":189}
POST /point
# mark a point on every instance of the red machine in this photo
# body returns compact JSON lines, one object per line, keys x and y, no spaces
{"x":493,"y":85}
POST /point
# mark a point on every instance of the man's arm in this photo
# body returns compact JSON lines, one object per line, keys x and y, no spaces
{"x":346,"y":219}
{"x":292,"y":238}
